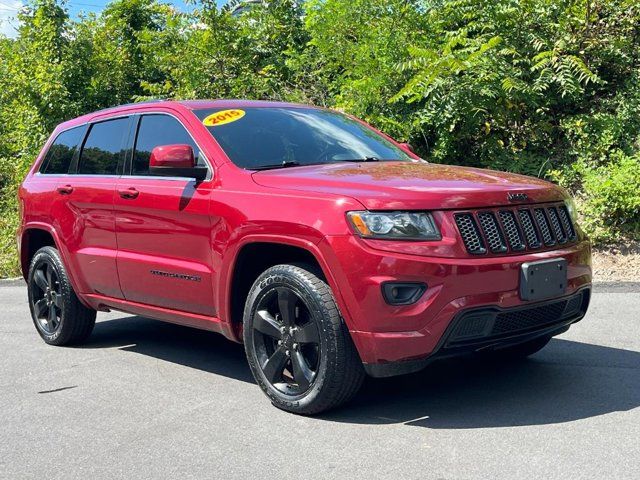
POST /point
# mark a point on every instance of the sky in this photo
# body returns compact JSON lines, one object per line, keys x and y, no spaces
{"x":10,"y":8}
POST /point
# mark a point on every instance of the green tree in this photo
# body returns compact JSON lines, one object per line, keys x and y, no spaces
{"x":542,"y":87}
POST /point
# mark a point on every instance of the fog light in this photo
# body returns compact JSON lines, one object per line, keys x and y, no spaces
{"x":404,"y":293}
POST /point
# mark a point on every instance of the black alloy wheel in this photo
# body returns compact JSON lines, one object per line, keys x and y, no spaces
{"x":286,"y":341}
{"x":57,"y":313}
{"x":298,"y":348}
{"x":46,"y":298}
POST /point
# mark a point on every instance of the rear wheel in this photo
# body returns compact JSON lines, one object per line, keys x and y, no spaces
{"x":57,"y":314}
{"x":519,"y":351}
{"x":298,"y":348}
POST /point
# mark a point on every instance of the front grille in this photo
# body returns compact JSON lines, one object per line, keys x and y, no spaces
{"x":470,"y":234}
{"x":565,"y":219}
{"x":515,"y":229}
{"x":492,"y":232}
{"x":491,"y":323}
{"x":530,"y":232}
{"x":545,"y":229}
{"x":555,"y":223}
{"x":511,"y":229}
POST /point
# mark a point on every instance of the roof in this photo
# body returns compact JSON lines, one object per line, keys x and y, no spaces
{"x":189,"y":104}
{"x":236,"y":103}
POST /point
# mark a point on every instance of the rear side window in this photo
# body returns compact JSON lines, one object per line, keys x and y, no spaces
{"x":156,"y":131}
{"x":61,"y":152}
{"x":103,"y":148}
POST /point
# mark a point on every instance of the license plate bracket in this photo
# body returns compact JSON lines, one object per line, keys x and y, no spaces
{"x":544,"y":279}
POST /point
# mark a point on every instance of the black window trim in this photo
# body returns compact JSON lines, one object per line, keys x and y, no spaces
{"x":133,"y":140}
{"x":75,"y":163}
{"x":74,"y":159}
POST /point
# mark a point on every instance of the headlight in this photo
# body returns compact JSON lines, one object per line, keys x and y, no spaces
{"x":571,"y":207}
{"x":395,"y":225}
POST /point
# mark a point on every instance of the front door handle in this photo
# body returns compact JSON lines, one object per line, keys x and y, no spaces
{"x":65,"y":190}
{"x":129,"y":193}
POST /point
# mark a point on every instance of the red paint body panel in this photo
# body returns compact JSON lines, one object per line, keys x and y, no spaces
{"x":172,"y":156}
{"x":169,"y":251}
{"x":387,"y":333}
{"x":412,"y":186}
{"x":85,"y":221}
{"x":165,"y":229}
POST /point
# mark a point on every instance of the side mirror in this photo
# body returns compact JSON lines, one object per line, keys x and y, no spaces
{"x":407,"y":147}
{"x":175,"y":161}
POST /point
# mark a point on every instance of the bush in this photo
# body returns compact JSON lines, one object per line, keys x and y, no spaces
{"x":609,"y":198}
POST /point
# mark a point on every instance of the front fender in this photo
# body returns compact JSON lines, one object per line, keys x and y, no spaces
{"x":311,"y":245}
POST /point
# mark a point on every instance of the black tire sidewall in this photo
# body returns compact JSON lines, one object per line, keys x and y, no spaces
{"x":76,"y":320}
{"x":281,"y":277}
{"x":48,"y":256}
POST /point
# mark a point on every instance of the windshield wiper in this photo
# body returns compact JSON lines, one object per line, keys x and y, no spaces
{"x":363,"y":159}
{"x":283,"y":164}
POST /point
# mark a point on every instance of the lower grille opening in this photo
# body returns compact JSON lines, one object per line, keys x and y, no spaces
{"x":492,"y":323}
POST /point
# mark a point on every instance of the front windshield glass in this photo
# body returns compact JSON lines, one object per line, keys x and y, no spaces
{"x":258,"y":137}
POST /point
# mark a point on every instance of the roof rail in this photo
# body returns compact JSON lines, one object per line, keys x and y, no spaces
{"x":145,"y":102}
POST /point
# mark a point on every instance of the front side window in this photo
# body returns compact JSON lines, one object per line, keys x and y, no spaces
{"x":103,"y":148}
{"x":158,"y":130}
{"x":263,"y":137}
{"x":61,"y":152}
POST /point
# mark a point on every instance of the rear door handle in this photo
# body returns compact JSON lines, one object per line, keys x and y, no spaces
{"x":129,"y":193}
{"x":65,"y":190}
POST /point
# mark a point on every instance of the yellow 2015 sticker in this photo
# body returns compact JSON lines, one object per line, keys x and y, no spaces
{"x":222,"y":117}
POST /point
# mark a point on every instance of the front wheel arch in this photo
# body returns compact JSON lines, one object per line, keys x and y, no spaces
{"x":254,"y":257}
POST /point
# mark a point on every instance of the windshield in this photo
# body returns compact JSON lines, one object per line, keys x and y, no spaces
{"x":258,"y":137}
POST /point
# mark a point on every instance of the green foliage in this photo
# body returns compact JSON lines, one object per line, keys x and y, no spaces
{"x":611,"y":197}
{"x":543,"y":87}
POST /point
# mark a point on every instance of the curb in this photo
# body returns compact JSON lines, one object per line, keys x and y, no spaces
{"x":616,"y":287}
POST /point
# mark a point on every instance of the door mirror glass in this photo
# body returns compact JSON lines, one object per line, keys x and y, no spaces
{"x":175,"y":161}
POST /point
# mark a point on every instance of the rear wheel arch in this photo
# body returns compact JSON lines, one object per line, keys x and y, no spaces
{"x":32,"y":240}
{"x":253,"y":258}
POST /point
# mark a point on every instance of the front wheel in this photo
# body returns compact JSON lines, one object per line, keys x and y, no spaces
{"x":298,"y":348}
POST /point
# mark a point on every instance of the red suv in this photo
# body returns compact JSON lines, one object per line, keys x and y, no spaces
{"x":323,"y":245}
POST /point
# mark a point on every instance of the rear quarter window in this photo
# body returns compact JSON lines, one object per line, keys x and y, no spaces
{"x":59,"y":156}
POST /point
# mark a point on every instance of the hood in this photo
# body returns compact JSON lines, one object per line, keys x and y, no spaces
{"x":412,"y":185}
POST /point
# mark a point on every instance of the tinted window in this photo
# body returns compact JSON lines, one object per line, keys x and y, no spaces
{"x":156,"y":131}
{"x":61,"y":152}
{"x":103,"y":147}
{"x":255,"y":137}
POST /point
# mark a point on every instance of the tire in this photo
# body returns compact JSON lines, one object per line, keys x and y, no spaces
{"x":519,"y":351}
{"x":57,"y":314}
{"x":303,"y":359}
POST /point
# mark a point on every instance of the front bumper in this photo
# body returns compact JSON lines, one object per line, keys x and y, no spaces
{"x":385,"y":335}
{"x":490,"y":328}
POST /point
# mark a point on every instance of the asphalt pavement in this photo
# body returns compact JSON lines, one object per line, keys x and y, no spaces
{"x":146,"y":399}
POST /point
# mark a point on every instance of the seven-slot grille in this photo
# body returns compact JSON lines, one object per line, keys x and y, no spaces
{"x":515,"y":229}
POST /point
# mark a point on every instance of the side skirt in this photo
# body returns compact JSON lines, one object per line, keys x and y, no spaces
{"x":195,"y":320}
